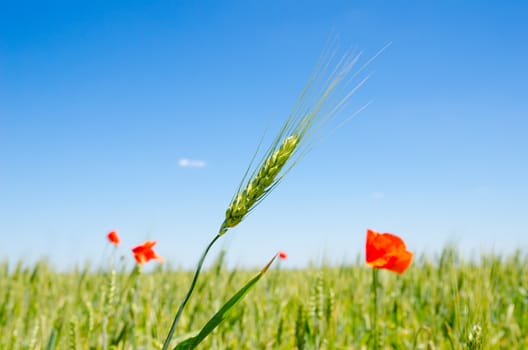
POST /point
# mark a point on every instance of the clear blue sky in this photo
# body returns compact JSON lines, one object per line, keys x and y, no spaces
{"x":103,"y":103}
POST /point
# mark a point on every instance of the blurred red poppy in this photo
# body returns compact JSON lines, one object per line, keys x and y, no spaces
{"x":387,"y":251}
{"x":144,"y":253}
{"x":113,"y":237}
{"x":282,"y":255}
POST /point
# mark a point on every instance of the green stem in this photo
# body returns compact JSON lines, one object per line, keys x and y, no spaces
{"x":189,"y":292}
{"x":375,"y":307}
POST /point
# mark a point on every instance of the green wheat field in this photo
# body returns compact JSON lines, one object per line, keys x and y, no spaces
{"x":445,"y":302}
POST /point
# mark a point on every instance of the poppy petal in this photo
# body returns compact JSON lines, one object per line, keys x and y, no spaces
{"x":387,"y":251}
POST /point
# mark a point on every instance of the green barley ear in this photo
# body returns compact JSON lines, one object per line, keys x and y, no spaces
{"x":325,"y":94}
{"x":73,"y":334}
{"x":89,"y":311}
{"x":109,"y":302}
{"x":301,"y":327}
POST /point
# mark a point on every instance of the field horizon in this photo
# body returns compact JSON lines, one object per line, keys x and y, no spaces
{"x":443,"y":303}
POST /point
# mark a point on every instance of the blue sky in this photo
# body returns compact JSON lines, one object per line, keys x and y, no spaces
{"x":142,"y":117}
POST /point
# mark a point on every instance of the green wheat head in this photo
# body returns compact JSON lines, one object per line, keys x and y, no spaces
{"x":327,"y":91}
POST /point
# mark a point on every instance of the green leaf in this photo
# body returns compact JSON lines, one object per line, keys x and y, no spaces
{"x":192,"y":342}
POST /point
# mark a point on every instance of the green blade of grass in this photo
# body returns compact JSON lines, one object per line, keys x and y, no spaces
{"x":191,"y":343}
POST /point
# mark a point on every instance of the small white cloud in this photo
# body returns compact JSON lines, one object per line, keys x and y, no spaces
{"x":377,"y":195}
{"x":191,"y":163}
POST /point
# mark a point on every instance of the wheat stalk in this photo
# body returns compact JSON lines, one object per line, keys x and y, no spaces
{"x":326,"y":92}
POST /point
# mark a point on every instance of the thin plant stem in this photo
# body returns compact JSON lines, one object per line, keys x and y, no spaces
{"x":189,"y":292}
{"x":135,"y":297}
{"x":375,"y":307}
{"x":133,"y":276}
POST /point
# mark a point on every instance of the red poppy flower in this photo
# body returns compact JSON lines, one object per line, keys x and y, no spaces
{"x":113,"y":237}
{"x":144,"y":253}
{"x":282,"y":255}
{"x":387,"y":251}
